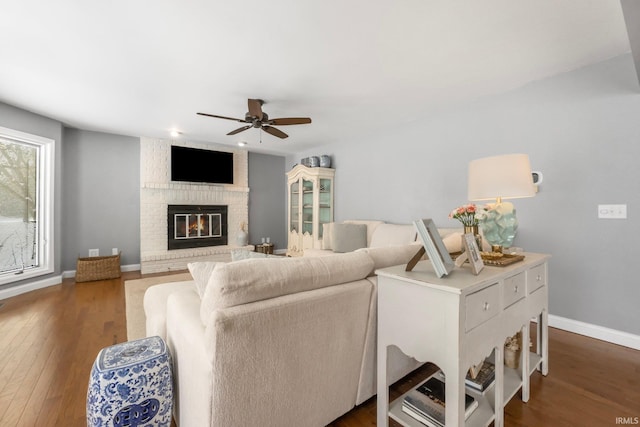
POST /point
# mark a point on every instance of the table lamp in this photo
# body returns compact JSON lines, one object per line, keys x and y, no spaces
{"x":497,"y":178}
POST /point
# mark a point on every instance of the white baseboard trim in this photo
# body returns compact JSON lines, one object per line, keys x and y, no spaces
{"x":131,"y":267}
{"x":56,"y":280}
{"x":594,"y":331}
{"x":28,"y":287}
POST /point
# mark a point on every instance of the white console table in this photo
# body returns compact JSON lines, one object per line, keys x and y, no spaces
{"x":455,"y":322}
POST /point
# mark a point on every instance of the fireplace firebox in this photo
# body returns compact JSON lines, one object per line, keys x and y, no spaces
{"x":196,"y":226}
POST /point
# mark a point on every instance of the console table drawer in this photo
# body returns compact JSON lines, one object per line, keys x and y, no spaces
{"x":482,"y":306}
{"x":536,"y":278}
{"x":514,"y":289}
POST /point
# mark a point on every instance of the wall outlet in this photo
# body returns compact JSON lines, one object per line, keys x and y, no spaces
{"x":612,"y":211}
{"x":114,"y":251}
{"x":94,"y":252}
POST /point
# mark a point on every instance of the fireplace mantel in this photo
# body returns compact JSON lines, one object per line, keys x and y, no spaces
{"x":157,"y":192}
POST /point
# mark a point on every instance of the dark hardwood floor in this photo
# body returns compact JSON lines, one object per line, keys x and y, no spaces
{"x":49,"y":339}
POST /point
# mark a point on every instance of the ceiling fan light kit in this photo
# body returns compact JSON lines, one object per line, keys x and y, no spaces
{"x":256,"y":118}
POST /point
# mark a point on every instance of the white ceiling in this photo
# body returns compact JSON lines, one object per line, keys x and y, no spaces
{"x":143,"y":67}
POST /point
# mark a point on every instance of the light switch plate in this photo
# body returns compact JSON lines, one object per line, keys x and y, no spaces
{"x":612,"y":211}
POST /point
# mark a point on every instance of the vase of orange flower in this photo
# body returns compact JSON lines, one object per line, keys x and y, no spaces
{"x":466,"y":214}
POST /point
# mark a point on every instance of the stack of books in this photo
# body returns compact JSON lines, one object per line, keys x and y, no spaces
{"x":483,"y":380}
{"x":427,"y":402}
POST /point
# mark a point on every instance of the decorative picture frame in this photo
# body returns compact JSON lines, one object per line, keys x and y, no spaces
{"x":434,"y":247}
{"x":471,"y":253}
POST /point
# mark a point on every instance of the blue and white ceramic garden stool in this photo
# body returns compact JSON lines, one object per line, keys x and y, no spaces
{"x":131,"y":385}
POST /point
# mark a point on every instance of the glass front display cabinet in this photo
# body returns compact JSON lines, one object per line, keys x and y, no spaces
{"x":310,"y":207}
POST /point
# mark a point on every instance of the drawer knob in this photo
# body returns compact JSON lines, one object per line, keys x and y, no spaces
{"x":538,"y":278}
{"x":486,"y":306}
{"x":515,"y":289}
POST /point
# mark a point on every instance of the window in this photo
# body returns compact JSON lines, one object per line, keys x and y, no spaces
{"x":26,"y":205}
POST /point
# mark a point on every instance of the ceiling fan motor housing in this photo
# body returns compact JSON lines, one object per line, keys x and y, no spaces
{"x":254,"y":120}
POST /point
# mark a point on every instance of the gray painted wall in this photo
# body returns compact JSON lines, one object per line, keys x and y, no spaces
{"x":101,"y":199}
{"x":267,"y":199}
{"x":102,"y":196}
{"x":97,"y":200}
{"x":25,"y":121}
{"x":581,"y":129}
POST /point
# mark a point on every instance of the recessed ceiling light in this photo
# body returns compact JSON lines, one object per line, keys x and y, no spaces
{"x":174,"y":133}
{"x":242,"y":143}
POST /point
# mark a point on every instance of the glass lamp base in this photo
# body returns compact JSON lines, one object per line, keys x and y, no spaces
{"x":499,"y":225}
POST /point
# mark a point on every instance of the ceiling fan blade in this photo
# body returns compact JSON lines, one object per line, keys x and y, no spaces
{"x":255,"y":108}
{"x":290,"y":121}
{"x":243,"y":128}
{"x":275,"y":132}
{"x":222,"y":117}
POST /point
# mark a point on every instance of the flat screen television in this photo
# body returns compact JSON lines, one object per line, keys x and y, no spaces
{"x":196,"y":165}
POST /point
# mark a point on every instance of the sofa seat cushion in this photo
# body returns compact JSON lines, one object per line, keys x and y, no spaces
{"x":252,"y":280}
{"x":393,"y":234}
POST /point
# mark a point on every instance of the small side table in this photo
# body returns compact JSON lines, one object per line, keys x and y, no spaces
{"x":265,"y":248}
{"x":131,"y":384}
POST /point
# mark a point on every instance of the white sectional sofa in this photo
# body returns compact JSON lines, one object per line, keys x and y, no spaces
{"x":275,"y":342}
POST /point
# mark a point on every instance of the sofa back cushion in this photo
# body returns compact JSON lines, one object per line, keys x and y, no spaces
{"x":327,"y":236}
{"x":387,"y":256}
{"x":371,"y":226}
{"x":349,"y":237}
{"x":201,"y":272}
{"x":393,"y":234}
{"x":252,"y":280}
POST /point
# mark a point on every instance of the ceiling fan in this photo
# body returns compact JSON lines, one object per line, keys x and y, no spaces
{"x":256,"y":118}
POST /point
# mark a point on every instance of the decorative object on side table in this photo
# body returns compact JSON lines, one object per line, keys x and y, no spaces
{"x":485,"y":375}
{"x":499,"y":259}
{"x":512,"y":350}
{"x":131,"y":384}
{"x":471,"y":253}
{"x":434,"y":247}
{"x":466,"y":214}
{"x":496,"y":178}
{"x":242,"y":238}
{"x":266,"y":247}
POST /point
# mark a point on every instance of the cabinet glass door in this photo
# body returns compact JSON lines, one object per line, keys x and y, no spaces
{"x":307,"y":207}
{"x":324,"y":211}
{"x":294,"y":215}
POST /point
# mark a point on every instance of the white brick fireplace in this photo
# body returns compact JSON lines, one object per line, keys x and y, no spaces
{"x":157,"y":192}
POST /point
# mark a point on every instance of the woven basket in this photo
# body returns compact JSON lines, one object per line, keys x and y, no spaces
{"x":98,"y":268}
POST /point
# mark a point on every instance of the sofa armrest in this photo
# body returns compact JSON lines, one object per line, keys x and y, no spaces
{"x":155,"y":306}
{"x":192,"y":368}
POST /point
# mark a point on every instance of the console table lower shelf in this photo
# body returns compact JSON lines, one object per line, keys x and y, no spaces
{"x":484,"y":414}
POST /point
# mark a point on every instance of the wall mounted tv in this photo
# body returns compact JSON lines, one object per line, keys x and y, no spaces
{"x":196,"y":165}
